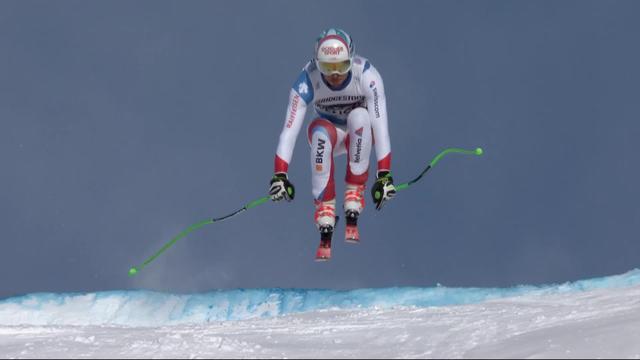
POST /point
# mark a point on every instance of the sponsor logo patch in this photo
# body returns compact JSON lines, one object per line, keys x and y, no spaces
{"x":358,"y":150}
{"x":294,"y":110}
{"x":376,"y":107}
{"x":320,"y":154}
{"x":358,"y":155}
{"x":330,"y":50}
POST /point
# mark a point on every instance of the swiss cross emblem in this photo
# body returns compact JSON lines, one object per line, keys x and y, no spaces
{"x":303,"y":88}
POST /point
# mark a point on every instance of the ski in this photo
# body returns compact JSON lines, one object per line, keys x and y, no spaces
{"x":352,"y":235}
{"x":324,"y":249}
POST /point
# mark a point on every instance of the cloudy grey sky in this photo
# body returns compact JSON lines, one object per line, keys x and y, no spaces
{"x":122,"y":123}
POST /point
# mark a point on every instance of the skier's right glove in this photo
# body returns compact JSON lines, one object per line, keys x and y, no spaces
{"x":383,"y":189}
{"x":281,"y":188}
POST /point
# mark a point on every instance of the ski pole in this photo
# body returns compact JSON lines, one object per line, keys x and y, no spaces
{"x":477,"y":151}
{"x":134,"y":270}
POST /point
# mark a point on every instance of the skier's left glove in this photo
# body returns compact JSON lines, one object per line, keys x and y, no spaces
{"x":383,"y":189}
{"x":281,"y":188}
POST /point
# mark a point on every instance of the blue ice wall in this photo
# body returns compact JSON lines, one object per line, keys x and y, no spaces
{"x":145,"y":308}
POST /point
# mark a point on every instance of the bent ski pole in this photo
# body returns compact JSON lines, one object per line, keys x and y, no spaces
{"x":134,"y":270}
{"x":477,"y":151}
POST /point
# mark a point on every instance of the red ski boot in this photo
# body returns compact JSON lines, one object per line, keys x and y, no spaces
{"x":353,"y":206}
{"x":325,"y":217}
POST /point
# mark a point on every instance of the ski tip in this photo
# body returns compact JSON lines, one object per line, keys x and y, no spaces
{"x":323,"y":253}
{"x":322,"y":259}
{"x":352,"y":235}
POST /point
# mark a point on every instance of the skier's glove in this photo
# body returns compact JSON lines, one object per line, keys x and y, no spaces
{"x":281,"y":188}
{"x":383,"y":189}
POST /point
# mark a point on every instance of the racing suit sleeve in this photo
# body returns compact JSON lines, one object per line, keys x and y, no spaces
{"x":300,"y":96}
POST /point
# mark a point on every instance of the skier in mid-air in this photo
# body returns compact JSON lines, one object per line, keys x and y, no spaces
{"x":347,"y":94}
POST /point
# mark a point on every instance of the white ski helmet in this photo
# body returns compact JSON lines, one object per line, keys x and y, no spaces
{"x":334,"y":52}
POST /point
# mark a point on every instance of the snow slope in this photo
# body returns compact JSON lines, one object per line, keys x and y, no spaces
{"x":590,"y":318}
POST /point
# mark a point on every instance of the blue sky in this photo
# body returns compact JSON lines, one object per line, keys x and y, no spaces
{"x":122,"y":123}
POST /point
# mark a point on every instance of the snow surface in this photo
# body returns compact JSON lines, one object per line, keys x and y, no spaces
{"x":589,"y":318}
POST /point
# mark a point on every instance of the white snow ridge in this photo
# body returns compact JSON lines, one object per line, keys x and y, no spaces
{"x":587,"y":319}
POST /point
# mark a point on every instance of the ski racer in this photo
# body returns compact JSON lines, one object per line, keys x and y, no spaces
{"x":347,"y":93}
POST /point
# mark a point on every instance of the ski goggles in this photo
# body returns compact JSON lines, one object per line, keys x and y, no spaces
{"x":330,"y":68}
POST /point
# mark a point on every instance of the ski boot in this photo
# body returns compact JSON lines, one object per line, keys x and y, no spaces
{"x":353,"y":206}
{"x":325,"y":217}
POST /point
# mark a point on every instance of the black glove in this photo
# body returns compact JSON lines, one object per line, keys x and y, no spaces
{"x":383,"y":189}
{"x":281,"y":188}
